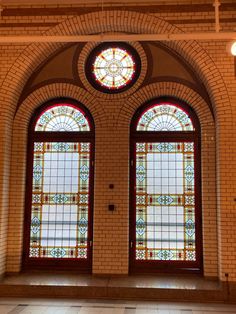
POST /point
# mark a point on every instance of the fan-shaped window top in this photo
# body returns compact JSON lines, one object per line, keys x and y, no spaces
{"x":165,"y":117}
{"x":62,"y":118}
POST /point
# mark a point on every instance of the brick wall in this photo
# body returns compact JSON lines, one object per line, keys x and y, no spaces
{"x":112,"y":115}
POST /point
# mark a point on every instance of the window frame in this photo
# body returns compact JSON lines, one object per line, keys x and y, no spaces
{"x":153,"y":266}
{"x":52,"y":136}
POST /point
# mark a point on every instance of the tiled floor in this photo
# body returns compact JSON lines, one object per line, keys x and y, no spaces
{"x":48,"y":306}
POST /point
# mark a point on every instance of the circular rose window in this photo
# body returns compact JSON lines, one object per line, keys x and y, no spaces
{"x":113,"y":67}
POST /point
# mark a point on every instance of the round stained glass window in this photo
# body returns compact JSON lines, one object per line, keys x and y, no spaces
{"x":113,"y":67}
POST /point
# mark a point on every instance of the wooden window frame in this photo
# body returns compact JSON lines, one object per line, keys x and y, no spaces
{"x":166,"y":266}
{"x":79,"y":265}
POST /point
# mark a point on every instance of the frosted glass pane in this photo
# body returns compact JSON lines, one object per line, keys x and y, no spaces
{"x":58,"y":172}
{"x":170,"y":179}
{"x":58,"y":226}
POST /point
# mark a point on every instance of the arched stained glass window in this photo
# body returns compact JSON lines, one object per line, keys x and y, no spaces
{"x":59,"y":207}
{"x":165,"y":178}
{"x":165,"y":117}
{"x":64,"y":118}
{"x":113,"y":67}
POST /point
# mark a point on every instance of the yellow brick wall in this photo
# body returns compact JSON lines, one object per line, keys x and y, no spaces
{"x":112,"y":115}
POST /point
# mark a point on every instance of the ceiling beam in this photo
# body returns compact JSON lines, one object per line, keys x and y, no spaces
{"x":119,"y":37}
{"x":82,"y":2}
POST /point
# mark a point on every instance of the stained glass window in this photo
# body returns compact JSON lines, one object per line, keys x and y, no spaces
{"x":165,"y":216}
{"x":165,"y":117}
{"x":59,"y":215}
{"x":113,"y":67}
{"x":62,"y":118}
{"x":59,"y":226}
{"x":165,"y":193}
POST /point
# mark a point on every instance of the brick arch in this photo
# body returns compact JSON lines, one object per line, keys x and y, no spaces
{"x":172,"y":89}
{"x":120,"y":21}
{"x":19,"y":154}
{"x":208,"y":150}
{"x":54,"y":90}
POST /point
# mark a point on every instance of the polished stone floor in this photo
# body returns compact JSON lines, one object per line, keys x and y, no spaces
{"x":53,"y":306}
{"x":138,"y":281}
{"x":139,"y":287}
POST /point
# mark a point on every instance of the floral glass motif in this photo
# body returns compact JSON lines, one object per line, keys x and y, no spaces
{"x":114,"y":68}
{"x":165,"y":203}
{"x":63,"y":118}
{"x":165,"y":117}
{"x":60,"y":200}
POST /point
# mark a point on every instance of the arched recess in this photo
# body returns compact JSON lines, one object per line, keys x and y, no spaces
{"x":135,"y":22}
{"x":165,"y":176}
{"x":118,"y":21}
{"x":208,"y":152}
{"x":59,"y":190}
{"x":19,"y":157}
